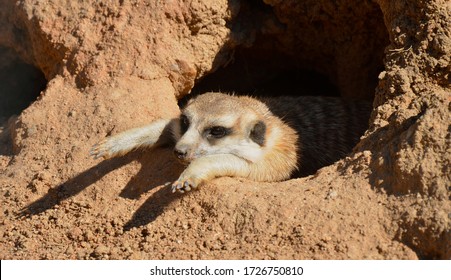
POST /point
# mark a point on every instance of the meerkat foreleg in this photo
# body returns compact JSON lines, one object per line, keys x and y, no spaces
{"x":122,"y":143}
{"x":208,"y":167}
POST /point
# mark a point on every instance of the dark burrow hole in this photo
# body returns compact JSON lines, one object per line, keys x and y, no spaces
{"x":323,"y":50}
{"x":20,"y":85}
{"x":311,"y":48}
{"x":270,"y":74}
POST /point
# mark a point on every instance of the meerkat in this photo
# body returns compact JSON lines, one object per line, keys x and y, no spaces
{"x":267,"y":140}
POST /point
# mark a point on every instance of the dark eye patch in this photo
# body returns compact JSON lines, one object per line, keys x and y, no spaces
{"x":217,"y":132}
{"x":258,"y":133}
{"x":184,"y":123}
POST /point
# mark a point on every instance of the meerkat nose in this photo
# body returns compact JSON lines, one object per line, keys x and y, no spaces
{"x":180,"y":154}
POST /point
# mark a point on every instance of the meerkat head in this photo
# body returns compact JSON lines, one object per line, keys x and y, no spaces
{"x":216,"y":123}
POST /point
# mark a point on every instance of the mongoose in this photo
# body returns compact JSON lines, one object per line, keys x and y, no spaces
{"x":270,"y":139}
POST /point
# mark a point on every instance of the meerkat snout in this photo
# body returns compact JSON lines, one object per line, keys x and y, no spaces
{"x":200,"y":139}
{"x":180,"y":153}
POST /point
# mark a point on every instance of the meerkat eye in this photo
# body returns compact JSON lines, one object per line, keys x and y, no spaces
{"x":184,"y":123}
{"x":218,"y":131}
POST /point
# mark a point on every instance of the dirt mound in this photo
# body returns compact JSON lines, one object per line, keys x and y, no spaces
{"x":113,"y":65}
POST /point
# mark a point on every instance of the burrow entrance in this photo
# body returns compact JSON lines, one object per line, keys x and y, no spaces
{"x":259,"y":74}
{"x":20,"y":85}
{"x":332,"y":48}
{"x":327,"y":48}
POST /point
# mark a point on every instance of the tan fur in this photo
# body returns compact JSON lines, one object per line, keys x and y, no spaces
{"x":257,"y":144}
{"x":280,"y":151}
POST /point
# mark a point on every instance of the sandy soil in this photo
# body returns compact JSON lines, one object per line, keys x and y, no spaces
{"x":114,"y":65}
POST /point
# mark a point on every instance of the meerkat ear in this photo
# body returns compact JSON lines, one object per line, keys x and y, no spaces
{"x":258,"y":132}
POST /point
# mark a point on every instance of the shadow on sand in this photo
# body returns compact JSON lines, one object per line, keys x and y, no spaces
{"x":157,"y":168}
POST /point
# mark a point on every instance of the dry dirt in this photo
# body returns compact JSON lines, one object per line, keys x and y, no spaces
{"x":113,"y":65}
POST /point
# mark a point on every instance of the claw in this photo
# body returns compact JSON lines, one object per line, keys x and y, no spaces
{"x":98,"y":150}
{"x":94,"y":152}
{"x":182,"y":186}
{"x":174,"y":187}
{"x":187,"y":186}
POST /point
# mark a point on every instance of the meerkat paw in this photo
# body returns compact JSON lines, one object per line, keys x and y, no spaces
{"x":184,"y":185}
{"x":102,"y":149}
